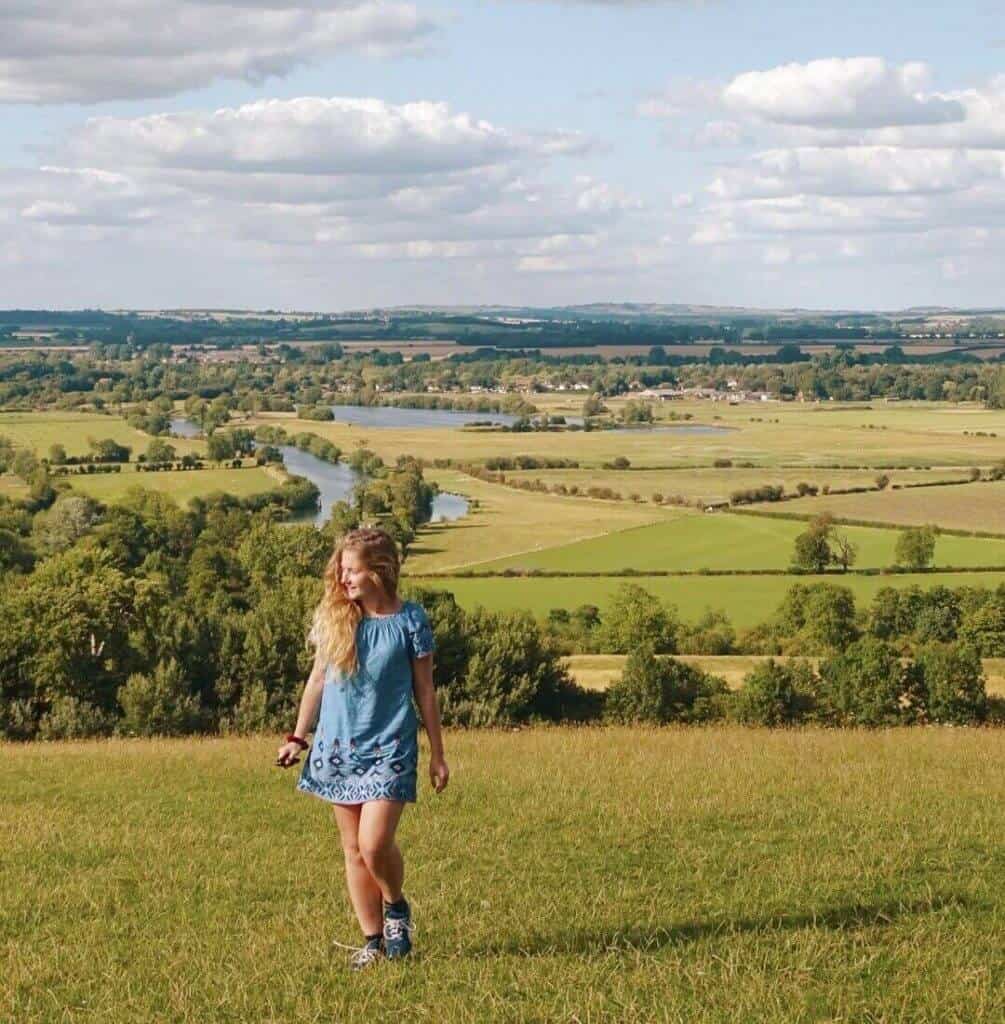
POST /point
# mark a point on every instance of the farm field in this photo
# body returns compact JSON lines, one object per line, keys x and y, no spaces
{"x":507,"y":520}
{"x":12,"y":486}
{"x":804,"y":436}
{"x":840,"y":875}
{"x":709,"y":485}
{"x":977,"y":507}
{"x":722,"y":540}
{"x":747,"y":600}
{"x":40,"y":430}
{"x":182,"y":485}
{"x":598,"y":671}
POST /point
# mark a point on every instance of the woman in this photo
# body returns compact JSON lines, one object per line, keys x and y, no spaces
{"x":374,"y":653}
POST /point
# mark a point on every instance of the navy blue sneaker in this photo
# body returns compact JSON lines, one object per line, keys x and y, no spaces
{"x":397,"y":930}
{"x":368,"y":955}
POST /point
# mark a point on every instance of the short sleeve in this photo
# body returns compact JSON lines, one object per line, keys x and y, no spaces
{"x":418,"y":632}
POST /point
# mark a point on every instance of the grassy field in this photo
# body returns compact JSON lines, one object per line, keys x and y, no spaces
{"x":977,"y":507}
{"x":747,"y":600}
{"x":566,"y":875}
{"x":769,"y":434}
{"x":507,"y":521}
{"x":697,"y":540}
{"x":40,"y":430}
{"x":182,"y":485}
{"x":598,"y":671}
{"x":707,"y":485}
{"x":12,"y":486}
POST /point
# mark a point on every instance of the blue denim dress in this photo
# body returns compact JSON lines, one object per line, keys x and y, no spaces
{"x":366,"y":741}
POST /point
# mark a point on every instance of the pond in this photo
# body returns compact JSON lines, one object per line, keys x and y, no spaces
{"x":391,"y":416}
{"x":182,"y":427}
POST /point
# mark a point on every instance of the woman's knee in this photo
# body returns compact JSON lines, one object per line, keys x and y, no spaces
{"x":374,"y":850}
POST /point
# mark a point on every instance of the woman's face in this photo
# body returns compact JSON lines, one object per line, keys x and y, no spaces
{"x":356,"y":580}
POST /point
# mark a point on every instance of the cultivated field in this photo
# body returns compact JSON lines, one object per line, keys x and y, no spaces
{"x":12,"y":486}
{"x":182,"y":485}
{"x":977,"y":507}
{"x":769,"y":434}
{"x":709,"y":485}
{"x":721,"y":540}
{"x":40,"y":430}
{"x":747,"y":600}
{"x":598,"y":671}
{"x":601,"y":875}
{"x":507,"y":521}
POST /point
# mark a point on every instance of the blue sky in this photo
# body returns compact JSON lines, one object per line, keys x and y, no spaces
{"x":332,"y":154}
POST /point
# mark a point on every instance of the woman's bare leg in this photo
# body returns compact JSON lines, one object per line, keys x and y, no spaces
{"x":378,"y":822}
{"x":364,"y":893}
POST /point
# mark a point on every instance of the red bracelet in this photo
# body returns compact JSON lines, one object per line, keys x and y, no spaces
{"x":291,"y":738}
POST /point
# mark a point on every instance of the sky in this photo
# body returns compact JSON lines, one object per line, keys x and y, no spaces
{"x":324,"y":155}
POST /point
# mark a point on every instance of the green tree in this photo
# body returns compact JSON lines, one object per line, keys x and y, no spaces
{"x":812,"y":551}
{"x":952,"y":684}
{"x":220,"y":447}
{"x":60,"y":527}
{"x":635,"y":617}
{"x":660,"y":690}
{"x":775,"y":694}
{"x":57,"y":455}
{"x":159,"y":451}
{"x":818,"y":617}
{"x":983,"y":627}
{"x":159,"y":704}
{"x":863,"y":685}
{"x":916,"y":546}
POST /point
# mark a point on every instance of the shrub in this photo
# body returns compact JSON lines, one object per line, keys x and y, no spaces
{"x":513,"y":673}
{"x":251,"y":714}
{"x":864,"y":685}
{"x":916,"y":546}
{"x":949,"y":680}
{"x":635,"y":618}
{"x":661,"y":690}
{"x":70,"y":718}
{"x":158,"y":704}
{"x":775,"y":694}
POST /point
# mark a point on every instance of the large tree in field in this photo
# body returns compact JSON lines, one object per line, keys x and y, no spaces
{"x":916,"y":546}
{"x":812,"y":551}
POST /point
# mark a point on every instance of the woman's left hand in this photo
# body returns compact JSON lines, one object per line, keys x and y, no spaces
{"x":439,"y":774}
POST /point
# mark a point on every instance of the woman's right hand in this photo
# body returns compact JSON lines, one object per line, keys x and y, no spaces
{"x":288,"y":755}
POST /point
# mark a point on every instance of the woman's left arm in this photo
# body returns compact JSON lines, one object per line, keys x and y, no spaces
{"x":429,"y":709}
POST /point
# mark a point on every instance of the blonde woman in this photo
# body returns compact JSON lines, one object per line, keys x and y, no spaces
{"x":374,"y":653}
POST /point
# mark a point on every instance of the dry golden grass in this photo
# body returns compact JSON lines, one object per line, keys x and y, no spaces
{"x":602,"y":875}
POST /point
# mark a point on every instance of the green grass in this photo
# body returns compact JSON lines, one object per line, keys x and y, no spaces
{"x":806,"y":435}
{"x":716,"y":485}
{"x":40,"y":430}
{"x":699,"y":876}
{"x":507,"y":521}
{"x":972,"y":507}
{"x":182,"y":485}
{"x":747,"y":600}
{"x":720,"y":540}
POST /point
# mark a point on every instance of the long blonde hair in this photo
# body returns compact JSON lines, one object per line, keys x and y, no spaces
{"x":336,"y":617}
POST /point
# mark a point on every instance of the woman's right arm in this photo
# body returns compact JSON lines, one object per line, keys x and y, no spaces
{"x":307,"y":715}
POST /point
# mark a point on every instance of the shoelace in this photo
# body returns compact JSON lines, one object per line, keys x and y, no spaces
{"x":361,"y":955}
{"x":395,"y":927}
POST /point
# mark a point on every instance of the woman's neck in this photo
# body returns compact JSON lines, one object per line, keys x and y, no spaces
{"x":374,"y":607}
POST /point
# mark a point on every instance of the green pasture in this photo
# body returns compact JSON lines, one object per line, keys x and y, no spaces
{"x":569,"y":875}
{"x":39,"y":431}
{"x":768,"y":434}
{"x":503,"y":520}
{"x":747,"y":600}
{"x":721,"y":540}
{"x":598,"y":671}
{"x":973,"y":507}
{"x":709,"y":485}
{"x":182,"y":485}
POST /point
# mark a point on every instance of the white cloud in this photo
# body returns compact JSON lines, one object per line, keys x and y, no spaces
{"x":67,"y":51}
{"x":312,"y":135}
{"x":857,"y":92}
